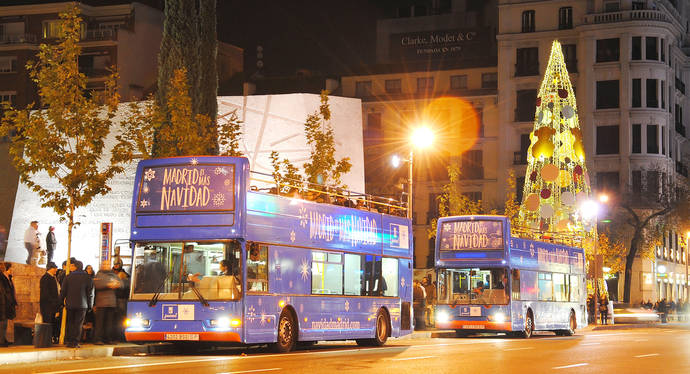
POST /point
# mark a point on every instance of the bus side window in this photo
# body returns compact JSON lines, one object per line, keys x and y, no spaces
{"x":257,"y":267}
{"x":515,"y":286}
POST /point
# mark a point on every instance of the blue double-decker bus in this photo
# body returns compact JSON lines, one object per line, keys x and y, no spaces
{"x":216,"y":260}
{"x":490,"y":281}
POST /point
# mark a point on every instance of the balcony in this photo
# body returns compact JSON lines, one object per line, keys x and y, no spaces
{"x":519,"y":158}
{"x":680,"y":86}
{"x":627,"y":15}
{"x":99,"y":34}
{"x":18,"y":39}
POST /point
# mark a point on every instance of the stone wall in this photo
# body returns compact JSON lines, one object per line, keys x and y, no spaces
{"x":27,"y":285}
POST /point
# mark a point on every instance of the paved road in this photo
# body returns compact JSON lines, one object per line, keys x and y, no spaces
{"x":654,"y":350}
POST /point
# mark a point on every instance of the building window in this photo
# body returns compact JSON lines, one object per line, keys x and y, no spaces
{"x":608,"y":181}
{"x":8,"y":97}
{"x":636,"y":181}
{"x":607,"y":140}
{"x":8,"y":64}
{"x":472,"y":165}
{"x":663,"y":50}
{"x":636,"y":138}
{"x":519,"y":187}
{"x":612,"y":6}
{"x":527,"y":62}
{"x":652,"y":94}
{"x":651,"y":52}
{"x":652,"y":139}
{"x":570,"y":55}
{"x":373,"y":133}
{"x":393,"y":86}
{"x":636,"y":93}
{"x":489,"y":80}
{"x":363,"y":89}
{"x":565,"y":18}
{"x":652,"y":179}
{"x":52,"y":29}
{"x":425,"y":84}
{"x":636,"y":48}
{"x":458,"y":82}
{"x":526,"y":104}
{"x":528,"y":21}
{"x":663,"y":94}
{"x":525,"y":142}
{"x":608,"y":50}
{"x":607,"y":94}
{"x":638,"y":5}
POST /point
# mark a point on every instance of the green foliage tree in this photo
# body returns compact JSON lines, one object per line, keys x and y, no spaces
{"x":322,"y":167}
{"x":285,"y":174}
{"x":229,"y":135}
{"x":65,"y":137}
{"x":189,"y":43}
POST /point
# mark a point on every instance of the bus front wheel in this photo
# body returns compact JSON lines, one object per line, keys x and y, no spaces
{"x":287,"y":333}
{"x":529,"y":326}
{"x":381,"y":331}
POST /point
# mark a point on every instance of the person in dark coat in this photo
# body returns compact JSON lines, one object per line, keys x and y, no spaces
{"x":50,"y":298}
{"x":105,"y":304}
{"x":122,"y":295}
{"x":51,"y":242}
{"x":76,"y":295}
{"x":8,"y":300}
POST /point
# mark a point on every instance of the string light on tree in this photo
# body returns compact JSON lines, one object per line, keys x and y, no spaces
{"x":556,"y":182}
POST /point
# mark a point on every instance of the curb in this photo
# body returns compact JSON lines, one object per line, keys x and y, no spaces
{"x":642,"y":326}
{"x":28,"y":355}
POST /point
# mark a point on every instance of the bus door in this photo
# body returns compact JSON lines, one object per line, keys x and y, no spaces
{"x":260,"y":310}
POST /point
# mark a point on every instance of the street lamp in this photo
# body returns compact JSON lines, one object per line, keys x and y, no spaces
{"x":420,"y":138}
{"x":590,"y":210}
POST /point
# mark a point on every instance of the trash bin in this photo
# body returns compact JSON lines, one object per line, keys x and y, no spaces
{"x":43,"y":334}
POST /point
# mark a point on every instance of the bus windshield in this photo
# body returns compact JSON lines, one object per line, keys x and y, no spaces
{"x":172,"y":270}
{"x":472,"y":286}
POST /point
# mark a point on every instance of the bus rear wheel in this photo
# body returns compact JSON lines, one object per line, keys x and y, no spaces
{"x":529,"y":326}
{"x":381,"y":331}
{"x":287,"y":333}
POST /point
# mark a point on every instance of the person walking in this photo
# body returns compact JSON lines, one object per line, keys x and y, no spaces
{"x":31,"y":241}
{"x":418,"y":304}
{"x":76,"y":295}
{"x":430,"y":290}
{"x":604,"y":308}
{"x":51,"y":242}
{"x":122,"y":295}
{"x":105,"y":304}
{"x":50,"y":298}
{"x":8,"y":301}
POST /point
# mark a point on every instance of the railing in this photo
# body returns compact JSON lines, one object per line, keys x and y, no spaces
{"x":680,"y":86}
{"x":627,"y":15}
{"x":100,"y":34}
{"x":18,"y":39}
{"x":325,"y":194}
{"x":519,"y":158}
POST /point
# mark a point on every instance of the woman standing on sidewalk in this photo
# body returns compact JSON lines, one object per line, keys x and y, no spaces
{"x":8,"y":301}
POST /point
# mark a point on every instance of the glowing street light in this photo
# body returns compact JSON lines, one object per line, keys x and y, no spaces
{"x":604,"y":198}
{"x":421,"y":137}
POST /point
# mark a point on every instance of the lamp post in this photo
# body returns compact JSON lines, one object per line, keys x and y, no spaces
{"x":590,"y":210}
{"x":420,"y":138}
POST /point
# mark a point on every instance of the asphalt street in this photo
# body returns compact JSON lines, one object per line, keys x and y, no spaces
{"x":652,"y":350}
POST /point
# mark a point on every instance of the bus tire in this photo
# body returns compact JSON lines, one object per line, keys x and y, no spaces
{"x":306,"y":343}
{"x":572,"y":325}
{"x":381,"y":331}
{"x":528,"y":330}
{"x":287,"y":333}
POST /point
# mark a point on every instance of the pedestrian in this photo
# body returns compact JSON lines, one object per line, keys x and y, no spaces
{"x":663,"y":310}
{"x":430,"y":290}
{"x":8,"y":300}
{"x":591,"y":313}
{"x":90,"y":318}
{"x":604,"y":308}
{"x":51,"y":242}
{"x":50,"y":299}
{"x":76,"y":295}
{"x":122,"y":295}
{"x":418,"y":304}
{"x":31,"y":241}
{"x":105,"y":305}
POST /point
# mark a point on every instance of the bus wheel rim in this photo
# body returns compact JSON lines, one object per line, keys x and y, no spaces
{"x":380,"y":327}
{"x":285,"y":331}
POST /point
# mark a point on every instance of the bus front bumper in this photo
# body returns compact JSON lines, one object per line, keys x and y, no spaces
{"x":474,"y":325}
{"x":205,"y":336}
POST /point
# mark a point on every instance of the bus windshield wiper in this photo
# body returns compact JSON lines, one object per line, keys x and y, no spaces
{"x":154,"y":299}
{"x":198,"y":294}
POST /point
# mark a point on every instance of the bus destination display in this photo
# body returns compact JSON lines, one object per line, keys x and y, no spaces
{"x":471,"y":235}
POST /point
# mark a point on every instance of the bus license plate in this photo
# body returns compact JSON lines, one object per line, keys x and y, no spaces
{"x":181,"y":336}
{"x":473,"y":327}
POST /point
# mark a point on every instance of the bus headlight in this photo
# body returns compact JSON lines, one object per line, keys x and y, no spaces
{"x":225,"y":323}
{"x":499,"y":317}
{"x":137,"y":322}
{"x":442,"y":317}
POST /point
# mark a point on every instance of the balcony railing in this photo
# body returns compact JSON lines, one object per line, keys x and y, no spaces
{"x":18,"y":39}
{"x":100,"y":34}
{"x":627,"y":15}
{"x":680,"y":86}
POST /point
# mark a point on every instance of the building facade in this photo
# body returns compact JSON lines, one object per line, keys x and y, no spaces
{"x":628,"y":63}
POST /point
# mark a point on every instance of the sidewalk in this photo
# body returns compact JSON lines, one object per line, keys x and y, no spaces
{"x":27,"y":354}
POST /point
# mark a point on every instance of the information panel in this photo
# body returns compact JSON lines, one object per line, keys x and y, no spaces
{"x":187,"y":188}
{"x":471,"y":235}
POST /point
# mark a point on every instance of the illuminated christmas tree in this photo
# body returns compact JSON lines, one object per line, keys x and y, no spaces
{"x":556,"y":182}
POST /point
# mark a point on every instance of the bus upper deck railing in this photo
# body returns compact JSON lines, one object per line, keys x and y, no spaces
{"x":329,"y":195}
{"x":571,"y":240}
